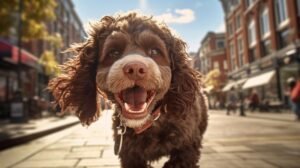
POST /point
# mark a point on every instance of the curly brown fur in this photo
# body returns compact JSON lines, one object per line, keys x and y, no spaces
{"x":162,"y":78}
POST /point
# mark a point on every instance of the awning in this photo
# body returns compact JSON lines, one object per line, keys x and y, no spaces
{"x":208,"y":89}
{"x":233,"y":84}
{"x":10,"y":53}
{"x":228,"y":86}
{"x":259,"y":80}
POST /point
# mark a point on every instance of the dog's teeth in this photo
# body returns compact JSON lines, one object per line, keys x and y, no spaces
{"x":129,"y":108}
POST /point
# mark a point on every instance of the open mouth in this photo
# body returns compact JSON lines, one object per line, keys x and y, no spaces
{"x":135,"y":102}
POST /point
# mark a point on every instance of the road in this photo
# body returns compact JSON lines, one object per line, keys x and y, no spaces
{"x":230,"y":141}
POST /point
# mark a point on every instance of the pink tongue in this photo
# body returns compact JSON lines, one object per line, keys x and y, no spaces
{"x":135,"y":96}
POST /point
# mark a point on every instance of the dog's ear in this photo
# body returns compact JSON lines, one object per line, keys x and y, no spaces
{"x":186,"y":82}
{"x":75,"y":88}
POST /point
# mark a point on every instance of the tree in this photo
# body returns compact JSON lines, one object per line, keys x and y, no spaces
{"x":49,"y":62}
{"x":212,"y":79}
{"x":34,"y":15}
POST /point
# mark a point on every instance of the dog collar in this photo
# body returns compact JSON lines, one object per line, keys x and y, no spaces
{"x":154,"y":116}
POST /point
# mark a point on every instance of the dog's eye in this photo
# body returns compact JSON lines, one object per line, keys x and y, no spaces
{"x":114,"y":54}
{"x":154,"y":52}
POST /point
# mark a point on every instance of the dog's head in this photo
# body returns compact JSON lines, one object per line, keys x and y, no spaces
{"x":135,"y":62}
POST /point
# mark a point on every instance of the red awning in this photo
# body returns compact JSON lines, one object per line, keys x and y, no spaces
{"x":10,"y":53}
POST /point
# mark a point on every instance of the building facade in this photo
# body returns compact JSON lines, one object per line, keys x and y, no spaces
{"x":212,"y":55}
{"x":262,"y":38}
{"x":67,"y":25}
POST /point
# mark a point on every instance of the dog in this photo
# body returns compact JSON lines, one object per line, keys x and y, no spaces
{"x":138,"y":64}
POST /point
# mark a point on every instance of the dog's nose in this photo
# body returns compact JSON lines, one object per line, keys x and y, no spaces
{"x":135,"y":70}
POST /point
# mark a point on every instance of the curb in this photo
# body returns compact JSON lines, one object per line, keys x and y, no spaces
{"x":10,"y":142}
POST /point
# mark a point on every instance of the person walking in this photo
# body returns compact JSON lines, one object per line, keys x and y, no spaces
{"x":254,"y":100}
{"x":232,"y":100}
{"x":294,"y":96}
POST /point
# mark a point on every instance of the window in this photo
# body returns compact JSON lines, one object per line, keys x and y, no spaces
{"x":230,"y":29}
{"x":264,"y":22}
{"x":298,"y":7}
{"x":220,"y":44}
{"x":216,"y":65}
{"x":251,"y":33}
{"x":281,"y":11}
{"x":284,"y":37}
{"x":232,"y":56}
{"x":252,"y":54}
{"x":240,"y":51}
{"x":266,"y":47}
{"x":238,"y":21}
{"x":250,"y":2}
{"x":225,"y":66}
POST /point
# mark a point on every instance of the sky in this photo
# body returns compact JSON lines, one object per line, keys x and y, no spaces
{"x":191,"y":19}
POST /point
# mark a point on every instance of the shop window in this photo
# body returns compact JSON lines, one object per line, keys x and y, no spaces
{"x":266,"y":47}
{"x":298,"y":7}
{"x":284,"y":37}
{"x":2,"y":88}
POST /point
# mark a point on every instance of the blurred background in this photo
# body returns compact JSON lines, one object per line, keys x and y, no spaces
{"x":248,"y":51}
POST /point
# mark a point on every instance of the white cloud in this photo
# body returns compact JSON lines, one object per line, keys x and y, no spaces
{"x":179,"y":16}
{"x":143,"y":5}
{"x":221,"y":27}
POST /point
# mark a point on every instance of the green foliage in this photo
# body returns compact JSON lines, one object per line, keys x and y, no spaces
{"x":49,"y":62}
{"x":212,"y":79}
{"x":35,"y":14}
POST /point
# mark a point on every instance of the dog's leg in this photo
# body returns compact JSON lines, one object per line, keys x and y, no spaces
{"x":133,"y":162}
{"x":186,"y":157}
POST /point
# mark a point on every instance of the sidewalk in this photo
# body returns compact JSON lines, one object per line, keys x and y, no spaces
{"x":266,"y":143}
{"x":279,"y":116}
{"x":17,"y":133}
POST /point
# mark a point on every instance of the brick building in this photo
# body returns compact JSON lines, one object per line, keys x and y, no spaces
{"x":262,"y":38}
{"x":212,"y":55}
{"x":33,"y":79}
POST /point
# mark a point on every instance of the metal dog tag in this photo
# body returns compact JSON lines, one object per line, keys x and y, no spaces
{"x":119,"y":139}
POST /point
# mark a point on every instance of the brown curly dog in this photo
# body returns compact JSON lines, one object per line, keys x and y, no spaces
{"x":141,"y":67}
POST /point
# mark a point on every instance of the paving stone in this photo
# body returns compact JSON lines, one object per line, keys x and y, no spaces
{"x":207,"y":150}
{"x":252,"y":164}
{"x":108,"y":153}
{"x":231,"y":148}
{"x":78,"y":155}
{"x":47,"y":163}
{"x":289,"y":163}
{"x":49,"y":155}
{"x":86,"y":148}
{"x":99,"y":162}
{"x":219,"y":156}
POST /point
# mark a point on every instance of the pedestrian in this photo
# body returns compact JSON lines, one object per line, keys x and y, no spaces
{"x":254,"y":100}
{"x":294,"y":86}
{"x":232,"y":100}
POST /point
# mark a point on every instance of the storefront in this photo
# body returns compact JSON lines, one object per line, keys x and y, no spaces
{"x":8,"y":75}
{"x":268,"y":77}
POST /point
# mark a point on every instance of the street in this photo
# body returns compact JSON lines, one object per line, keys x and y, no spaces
{"x":230,"y":141}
